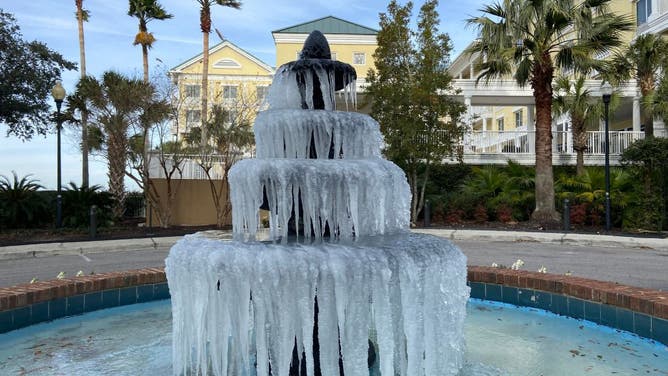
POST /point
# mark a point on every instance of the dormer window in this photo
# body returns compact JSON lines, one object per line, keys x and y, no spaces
{"x":226,"y":64}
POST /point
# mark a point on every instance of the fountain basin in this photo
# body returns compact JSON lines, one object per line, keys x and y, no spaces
{"x":29,"y":304}
{"x":501,"y":340}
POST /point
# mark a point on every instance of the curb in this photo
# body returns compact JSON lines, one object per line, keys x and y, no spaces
{"x":581,"y":240}
{"x":140,"y":244}
{"x":79,"y":248}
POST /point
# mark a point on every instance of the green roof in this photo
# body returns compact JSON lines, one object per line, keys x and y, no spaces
{"x":329,"y":25}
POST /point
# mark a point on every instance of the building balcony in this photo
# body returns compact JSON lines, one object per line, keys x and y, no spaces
{"x":497,"y":147}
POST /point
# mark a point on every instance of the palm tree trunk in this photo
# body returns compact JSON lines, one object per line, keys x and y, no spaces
{"x":545,"y":209}
{"x":579,"y":144}
{"x":646,"y":88}
{"x":144,"y":53}
{"x":205,"y":87}
{"x":116,"y":153}
{"x":84,"y":114}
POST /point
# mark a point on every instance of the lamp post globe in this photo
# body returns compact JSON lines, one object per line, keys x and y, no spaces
{"x":58,"y":93}
{"x":606,"y":94}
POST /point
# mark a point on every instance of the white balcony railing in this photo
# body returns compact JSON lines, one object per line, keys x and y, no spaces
{"x":522,"y":142}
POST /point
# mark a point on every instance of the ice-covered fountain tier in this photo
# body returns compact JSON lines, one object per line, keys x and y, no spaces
{"x":353,"y":291}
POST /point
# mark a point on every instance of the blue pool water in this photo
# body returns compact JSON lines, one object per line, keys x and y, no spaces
{"x":501,"y":340}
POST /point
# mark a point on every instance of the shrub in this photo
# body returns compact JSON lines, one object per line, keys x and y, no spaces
{"x":504,"y":213}
{"x":20,"y":204}
{"x":454,"y":216}
{"x":77,"y":202}
{"x":578,"y":214}
{"x":480,"y":214}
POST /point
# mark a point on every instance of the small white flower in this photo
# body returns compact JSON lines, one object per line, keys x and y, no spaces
{"x":80,"y":273}
{"x":542,"y":269}
{"x":34,"y":280}
{"x":61,"y":275}
{"x":568,"y":273}
{"x":495,"y":265}
{"x":517,"y":264}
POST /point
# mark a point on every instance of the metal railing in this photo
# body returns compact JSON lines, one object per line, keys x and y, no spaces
{"x":522,"y":142}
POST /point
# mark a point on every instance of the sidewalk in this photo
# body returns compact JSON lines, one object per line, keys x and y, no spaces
{"x":570,"y":239}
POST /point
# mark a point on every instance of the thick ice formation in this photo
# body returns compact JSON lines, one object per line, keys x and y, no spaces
{"x":285,"y":92}
{"x":240,"y":308}
{"x":341,"y":193}
{"x":239,"y":304}
{"x":288,"y":133}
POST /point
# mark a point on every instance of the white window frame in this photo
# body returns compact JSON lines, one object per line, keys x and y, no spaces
{"x":259,"y":98}
{"x":500,"y":126}
{"x":236,"y":92}
{"x":226,"y":63}
{"x":519,"y":121}
{"x":192,"y":120}
{"x":189,"y":90}
{"x":357,"y":54}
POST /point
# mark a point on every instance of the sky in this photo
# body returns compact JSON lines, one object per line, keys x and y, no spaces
{"x":110,"y":32}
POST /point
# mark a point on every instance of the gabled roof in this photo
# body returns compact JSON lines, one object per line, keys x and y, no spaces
{"x":328,"y":25}
{"x":220,"y":46}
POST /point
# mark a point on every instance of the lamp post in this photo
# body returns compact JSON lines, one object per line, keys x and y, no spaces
{"x":606,"y":91}
{"x":58,"y":94}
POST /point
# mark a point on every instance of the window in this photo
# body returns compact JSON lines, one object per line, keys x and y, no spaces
{"x":261,"y":93}
{"x":226,"y":64}
{"x":229,"y":92}
{"x":499,"y":124}
{"x":644,"y":10}
{"x":193,"y":118}
{"x":359,"y":58}
{"x":192,"y":91}
{"x":333,"y":55}
{"x":518,"y":119}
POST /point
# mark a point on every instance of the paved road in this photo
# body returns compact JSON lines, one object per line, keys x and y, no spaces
{"x":631,"y":266}
{"x":14,"y":272}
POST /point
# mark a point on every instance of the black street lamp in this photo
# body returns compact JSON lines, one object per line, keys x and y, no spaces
{"x":606,"y":91}
{"x":58,"y":94}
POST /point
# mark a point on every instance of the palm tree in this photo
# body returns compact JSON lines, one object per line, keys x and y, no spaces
{"x":205,"y":26}
{"x":145,"y":11}
{"x":528,"y":39}
{"x":573,"y":98}
{"x":82,"y":16}
{"x":644,"y":61}
{"x":115,"y":103}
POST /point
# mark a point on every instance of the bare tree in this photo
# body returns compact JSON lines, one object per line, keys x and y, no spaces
{"x":231,"y":136}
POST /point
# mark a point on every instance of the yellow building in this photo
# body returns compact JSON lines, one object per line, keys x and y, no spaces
{"x":349,"y":42}
{"x":237,"y":80}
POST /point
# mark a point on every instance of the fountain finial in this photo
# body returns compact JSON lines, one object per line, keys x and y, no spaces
{"x":316,"y":47}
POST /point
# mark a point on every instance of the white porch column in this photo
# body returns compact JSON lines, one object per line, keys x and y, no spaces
{"x":484,"y":123}
{"x":660,"y":128}
{"x":531,"y":129}
{"x":636,"y":113}
{"x":469,"y":112}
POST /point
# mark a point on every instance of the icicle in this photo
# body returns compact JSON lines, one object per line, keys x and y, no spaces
{"x":402,"y":290}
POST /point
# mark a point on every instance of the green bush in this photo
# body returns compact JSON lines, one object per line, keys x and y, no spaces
{"x":21,"y":206}
{"x":648,"y":210}
{"x":77,"y":202}
{"x":586,"y":194}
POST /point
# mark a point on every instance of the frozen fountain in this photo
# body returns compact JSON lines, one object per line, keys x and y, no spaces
{"x":341,"y":286}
